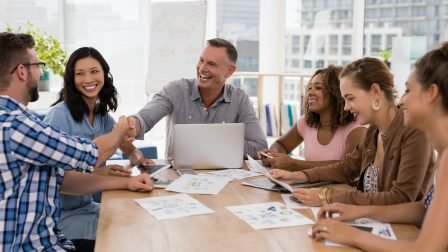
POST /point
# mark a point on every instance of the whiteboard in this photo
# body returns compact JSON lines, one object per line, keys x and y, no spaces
{"x":176,"y":40}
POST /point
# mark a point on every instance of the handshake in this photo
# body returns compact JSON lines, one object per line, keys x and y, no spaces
{"x":126,"y":128}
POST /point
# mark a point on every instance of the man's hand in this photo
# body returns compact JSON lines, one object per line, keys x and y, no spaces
{"x":141,"y":183}
{"x":135,"y":124}
{"x":125,"y":129}
{"x":137,"y":158}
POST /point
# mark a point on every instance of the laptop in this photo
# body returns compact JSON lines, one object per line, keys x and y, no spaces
{"x":208,"y":146}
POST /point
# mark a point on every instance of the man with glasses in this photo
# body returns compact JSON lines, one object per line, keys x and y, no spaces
{"x":34,"y":158}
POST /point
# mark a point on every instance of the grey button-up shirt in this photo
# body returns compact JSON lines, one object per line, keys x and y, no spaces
{"x":181,"y":102}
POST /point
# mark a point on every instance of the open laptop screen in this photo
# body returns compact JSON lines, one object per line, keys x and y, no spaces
{"x":208,"y":146}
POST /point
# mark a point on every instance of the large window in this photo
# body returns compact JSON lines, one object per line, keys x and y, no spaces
{"x":325,"y":30}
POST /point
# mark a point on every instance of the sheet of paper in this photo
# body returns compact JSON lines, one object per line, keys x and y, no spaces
{"x":254,"y":169}
{"x":174,"y":206}
{"x":380,"y":229}
{"x":259,"y":168}
{"x":188,"y":183}
{"x":269,"y":215}
{"x":231,"y":174}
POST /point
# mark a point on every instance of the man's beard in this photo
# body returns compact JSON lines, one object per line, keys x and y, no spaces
{"x":31,"y":87}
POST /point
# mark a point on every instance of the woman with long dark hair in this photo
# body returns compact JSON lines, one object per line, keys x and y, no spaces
{"x":82,"y":110}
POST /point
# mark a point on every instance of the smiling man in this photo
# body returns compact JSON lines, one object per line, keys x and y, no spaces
{"x":206,"y":99}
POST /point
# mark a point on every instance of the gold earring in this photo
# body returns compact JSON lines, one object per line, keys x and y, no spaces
{"x":376,"y":108}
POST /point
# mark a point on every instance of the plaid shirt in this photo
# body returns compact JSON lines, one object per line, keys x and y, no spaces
{"x":33,"y":157}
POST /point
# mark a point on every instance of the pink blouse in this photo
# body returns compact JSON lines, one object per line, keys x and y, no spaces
{"x":314,"y":151}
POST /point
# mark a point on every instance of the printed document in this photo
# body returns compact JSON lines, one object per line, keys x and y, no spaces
{"x":197,"y":184}
{"x":174,"y":206}
{"x":269,"y":215}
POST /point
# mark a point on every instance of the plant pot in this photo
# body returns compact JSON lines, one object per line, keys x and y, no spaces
{"x":44,"y":81}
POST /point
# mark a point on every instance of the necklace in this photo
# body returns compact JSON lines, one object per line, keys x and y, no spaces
{"x":325,"y":123}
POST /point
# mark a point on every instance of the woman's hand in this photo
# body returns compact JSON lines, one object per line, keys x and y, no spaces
{"x":285,"y":176}
{"x":264,"y":155}
{"x":336,"y":231}
{"x":279,"y":161}
{"x":341,"y":212}
{"x":309,"y":197}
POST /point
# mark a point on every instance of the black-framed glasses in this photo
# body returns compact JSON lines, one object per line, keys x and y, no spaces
{"x":41,"y":65}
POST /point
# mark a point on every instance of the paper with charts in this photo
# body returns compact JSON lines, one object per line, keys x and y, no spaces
{"x":174,"y":206}
{"x":197,"y":184}
{"x":269,"y":215}
{"x":256,"y":167}
{"x":231,"y":174}
{"x":381,"y":229}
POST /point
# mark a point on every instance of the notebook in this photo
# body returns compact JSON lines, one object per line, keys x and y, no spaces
{"x":208,"y":146}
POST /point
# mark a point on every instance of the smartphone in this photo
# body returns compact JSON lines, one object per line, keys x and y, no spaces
{"x":363,"y":228}
{"x":158,"y":183}
{"x":295,"y":199}
{"x":186,"y":171}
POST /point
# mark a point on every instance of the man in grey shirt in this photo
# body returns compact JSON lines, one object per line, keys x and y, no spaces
{"x":206,"y":99}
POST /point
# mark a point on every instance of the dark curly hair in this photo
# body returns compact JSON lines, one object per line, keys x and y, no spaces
{"x":340,"y":117}
{"x":107,"y":97}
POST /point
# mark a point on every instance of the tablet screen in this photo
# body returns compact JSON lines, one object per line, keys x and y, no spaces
{"x":153,"y":169}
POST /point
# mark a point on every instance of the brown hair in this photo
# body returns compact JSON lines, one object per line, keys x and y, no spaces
{"x":13,"y":51}
{"x":330,"y":77}
{"x":367,"y":71}
{"x":433,"y":68}
{"x":230,"y":48}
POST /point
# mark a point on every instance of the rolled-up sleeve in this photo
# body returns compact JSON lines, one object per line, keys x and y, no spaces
{"x":160,"y":106}
{"x":39,"y":144}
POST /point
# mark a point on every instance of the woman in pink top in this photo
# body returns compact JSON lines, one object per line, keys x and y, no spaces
{"x":329,"y":132}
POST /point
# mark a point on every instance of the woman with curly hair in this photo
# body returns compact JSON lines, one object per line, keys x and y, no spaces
{"x":328,"y":132}
{"x":393,"y":163}
{"x":82,"y":110}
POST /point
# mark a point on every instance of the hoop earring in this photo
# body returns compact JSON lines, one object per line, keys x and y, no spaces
{"x":376,"y":108}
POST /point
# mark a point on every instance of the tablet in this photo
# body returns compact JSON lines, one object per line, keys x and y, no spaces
{"x":153,"y":169}
{"x":267,"y":184}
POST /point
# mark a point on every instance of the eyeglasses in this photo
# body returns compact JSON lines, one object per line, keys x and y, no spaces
{"x":40,"y":65}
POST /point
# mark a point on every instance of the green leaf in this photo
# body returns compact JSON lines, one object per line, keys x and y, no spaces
{"x":48,"y":48}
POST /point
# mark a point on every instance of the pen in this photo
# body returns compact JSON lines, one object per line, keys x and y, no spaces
{"x":265,"y":154}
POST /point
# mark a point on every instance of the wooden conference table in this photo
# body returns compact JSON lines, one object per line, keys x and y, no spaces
{"x":125,"y":226}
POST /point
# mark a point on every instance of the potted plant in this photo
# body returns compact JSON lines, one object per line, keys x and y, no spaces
{"x":385,"y":54}
{"x":48,"y":50}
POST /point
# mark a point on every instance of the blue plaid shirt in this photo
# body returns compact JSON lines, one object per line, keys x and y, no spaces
{"x":33,"y":158}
